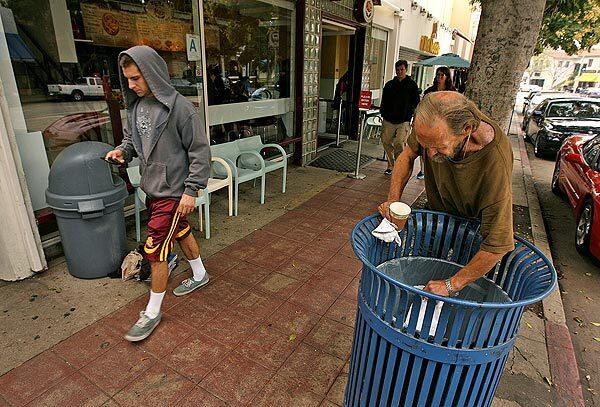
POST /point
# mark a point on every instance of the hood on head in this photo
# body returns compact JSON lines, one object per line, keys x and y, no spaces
{"x":155,"y":72}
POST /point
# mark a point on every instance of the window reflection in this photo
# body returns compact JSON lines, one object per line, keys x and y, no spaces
{"x":64,"y":57}
{"x":248,"y":46}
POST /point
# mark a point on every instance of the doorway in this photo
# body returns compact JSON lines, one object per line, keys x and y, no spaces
{"x":336,"y":85}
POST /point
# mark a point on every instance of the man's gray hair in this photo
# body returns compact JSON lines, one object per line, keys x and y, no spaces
{"x":452,"y":107}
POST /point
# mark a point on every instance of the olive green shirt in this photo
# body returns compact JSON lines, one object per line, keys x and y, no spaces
{"x":479,"y":186}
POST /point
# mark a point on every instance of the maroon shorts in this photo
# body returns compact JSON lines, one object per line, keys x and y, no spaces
{"x":164,"y":226}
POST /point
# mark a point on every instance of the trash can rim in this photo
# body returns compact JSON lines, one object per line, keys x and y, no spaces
{"x":110,"y":198}
{"x":450,"y":300}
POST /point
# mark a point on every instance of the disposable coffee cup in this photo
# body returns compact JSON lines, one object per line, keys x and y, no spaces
{"x":399,"y":212}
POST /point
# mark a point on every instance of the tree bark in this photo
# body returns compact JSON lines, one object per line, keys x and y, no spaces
{"x":506,"y":38}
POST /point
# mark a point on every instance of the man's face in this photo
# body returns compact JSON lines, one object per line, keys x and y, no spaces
{"x":401,"y":72}
{"x":135,"y":80}
{"x":436,"y":137}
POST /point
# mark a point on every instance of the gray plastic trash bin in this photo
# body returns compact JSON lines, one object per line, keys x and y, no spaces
{"x":87,"y":199}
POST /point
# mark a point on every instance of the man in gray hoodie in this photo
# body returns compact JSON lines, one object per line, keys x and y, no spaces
{"x":164,"y":131}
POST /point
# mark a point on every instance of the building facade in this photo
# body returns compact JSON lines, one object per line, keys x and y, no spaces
{"x":430,"y":28}
{"x":555,"y":69}
{"x":287,"y":70}
{"x":252,"y":67}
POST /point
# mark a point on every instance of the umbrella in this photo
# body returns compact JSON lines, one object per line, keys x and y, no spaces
{"x":450,"y":60}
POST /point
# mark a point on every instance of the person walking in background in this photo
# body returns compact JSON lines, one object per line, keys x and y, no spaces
{"x":165,"y":132}
{"x":442,"y":82}
{"x":398,"y":102}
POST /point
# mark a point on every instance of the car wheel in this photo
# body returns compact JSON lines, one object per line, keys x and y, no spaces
{"x":555,"y":175}
{"x":77,"y":95}
{"x":536,"y":148}
{"x":584,"y":228}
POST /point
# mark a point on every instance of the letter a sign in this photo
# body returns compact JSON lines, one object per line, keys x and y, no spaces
{"x":193,"y":47}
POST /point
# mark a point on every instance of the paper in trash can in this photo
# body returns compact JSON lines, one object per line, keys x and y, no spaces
{"x":434,"y":319}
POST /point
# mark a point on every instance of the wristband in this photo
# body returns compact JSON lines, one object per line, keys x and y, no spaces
{"x":452,"y":292}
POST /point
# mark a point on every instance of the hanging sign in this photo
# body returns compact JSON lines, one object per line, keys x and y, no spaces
{"x":193,"y":47}
{"x":429,"y":44}
{"x":273,"y":36}
{"x":364,"y":10}
{"x":364,"y":101}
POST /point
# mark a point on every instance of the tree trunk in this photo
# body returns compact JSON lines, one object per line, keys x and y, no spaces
{"x":506,"y":38}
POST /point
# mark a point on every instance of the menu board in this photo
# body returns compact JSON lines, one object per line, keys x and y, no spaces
{"x":118,"y":28}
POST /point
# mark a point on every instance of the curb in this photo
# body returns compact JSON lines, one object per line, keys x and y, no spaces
{"x":567,"y":390}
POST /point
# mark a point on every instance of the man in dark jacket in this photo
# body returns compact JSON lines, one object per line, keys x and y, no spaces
{"x":398,"y":102}
{"x":164,"y":131}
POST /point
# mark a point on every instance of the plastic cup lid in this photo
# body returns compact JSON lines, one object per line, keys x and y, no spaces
{"x":399,"y":209}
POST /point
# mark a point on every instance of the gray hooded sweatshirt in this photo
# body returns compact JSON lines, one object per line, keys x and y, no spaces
{"x":177,"y":157}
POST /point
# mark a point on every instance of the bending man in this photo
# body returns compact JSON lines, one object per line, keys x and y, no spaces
{"x":468,"y":172}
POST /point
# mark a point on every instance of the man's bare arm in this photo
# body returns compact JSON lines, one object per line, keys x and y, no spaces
{"x":479,"y":265}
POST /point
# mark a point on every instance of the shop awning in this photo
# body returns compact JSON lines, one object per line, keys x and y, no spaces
{"x":18,"y":50}
{"x":589,"y":77}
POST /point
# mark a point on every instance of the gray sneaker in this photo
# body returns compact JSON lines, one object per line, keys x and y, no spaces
{"x":188,"y":285}
{"x":143,"y":327}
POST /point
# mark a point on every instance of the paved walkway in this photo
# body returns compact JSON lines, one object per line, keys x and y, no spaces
{"x":273,"y":328}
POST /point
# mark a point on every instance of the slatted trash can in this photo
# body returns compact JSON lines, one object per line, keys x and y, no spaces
{"x":87,"y":199}
{"x":413,"y":348}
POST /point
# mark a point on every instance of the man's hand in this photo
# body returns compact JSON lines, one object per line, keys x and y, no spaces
{"x":116,"y":154}
{"x":384,"y":210}
{"x":186,"y":205}
{"x":437,"y":287}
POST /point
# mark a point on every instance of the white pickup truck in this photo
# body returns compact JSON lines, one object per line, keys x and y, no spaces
{"x":89,"y":86}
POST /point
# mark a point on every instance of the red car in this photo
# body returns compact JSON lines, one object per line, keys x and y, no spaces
{"x":577,"y":175}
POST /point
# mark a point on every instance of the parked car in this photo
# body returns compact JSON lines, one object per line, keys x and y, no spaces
{"x":89,"y":86}
{"x":536,"y":97}
{"x":185,"y":87}
{"x":74,"y":128}
{"x":554,"y":120}
{"x":577,"y":175}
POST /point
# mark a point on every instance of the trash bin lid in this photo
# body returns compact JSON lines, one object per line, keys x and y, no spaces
{"x":78,"y":176}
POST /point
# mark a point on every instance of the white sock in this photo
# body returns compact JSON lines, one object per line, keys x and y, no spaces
{"x":154,"y":303}
{"x":197,"y":268}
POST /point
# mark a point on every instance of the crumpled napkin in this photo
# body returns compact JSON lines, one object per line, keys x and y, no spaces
{"x":387,"y":232}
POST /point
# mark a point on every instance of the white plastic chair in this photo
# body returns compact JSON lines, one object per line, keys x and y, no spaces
{"x":202,"y":201}
{"x":373,"y":127}
{"x":230,"y":153}
{"x":255,"y":143}
{"x":214,"y":184}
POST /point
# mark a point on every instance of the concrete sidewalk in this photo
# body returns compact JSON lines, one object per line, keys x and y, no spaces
{"x":273,"y":328}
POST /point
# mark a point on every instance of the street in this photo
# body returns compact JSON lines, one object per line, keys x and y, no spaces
{"x":579,"y":278}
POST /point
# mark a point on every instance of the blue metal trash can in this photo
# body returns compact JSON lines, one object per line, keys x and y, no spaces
{"x":401,"y":354}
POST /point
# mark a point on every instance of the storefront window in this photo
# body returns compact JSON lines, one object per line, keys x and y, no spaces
{"x":249,"y":48}
{"x":378,"y":53}
{"x":63,"y":64}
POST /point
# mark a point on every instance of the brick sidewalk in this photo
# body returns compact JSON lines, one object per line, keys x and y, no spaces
{"x":274,"y":327}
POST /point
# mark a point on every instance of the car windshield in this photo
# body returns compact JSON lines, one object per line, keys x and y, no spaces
{"x":579,"y":109}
